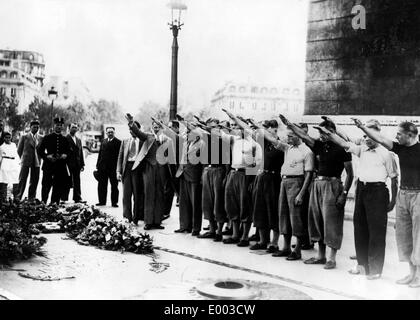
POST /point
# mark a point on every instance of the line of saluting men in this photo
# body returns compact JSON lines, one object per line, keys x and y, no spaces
{"x":240,"y":172}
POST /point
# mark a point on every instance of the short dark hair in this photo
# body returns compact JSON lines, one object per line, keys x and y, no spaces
{"x":409,"y":127}
{"x":34,"y":122}
{"x":271,"y":123}
{"x":73,"y":123}
{"x":106,"y":129}
{"x":328,"y":124}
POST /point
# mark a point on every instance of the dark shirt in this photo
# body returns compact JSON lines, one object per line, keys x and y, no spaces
{"x":331,"y":158}
{"x":273,"y":158}
{"x":409,"y":163}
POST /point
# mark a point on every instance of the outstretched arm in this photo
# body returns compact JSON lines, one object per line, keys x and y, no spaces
{"x":242,"y":124}
{"x":374,"y":135}
{"x":333,"y":137}
{"x":309,"y":141}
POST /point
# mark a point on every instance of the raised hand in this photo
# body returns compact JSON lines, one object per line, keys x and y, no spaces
{"x":326,"y":118}
{"x":284,"y":120}
{"x":129,"y":118}
{"x":228,"y":113}
{"x":357,"y":122}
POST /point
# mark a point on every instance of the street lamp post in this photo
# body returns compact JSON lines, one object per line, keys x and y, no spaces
{"x":175,"y":25}
{"x":52,"y":94}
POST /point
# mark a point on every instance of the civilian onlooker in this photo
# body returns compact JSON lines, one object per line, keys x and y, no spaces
{"x":30,"y":161}
{"x":9,"y":167}
{"x":107,"y":168}
{"x":75,"y":163}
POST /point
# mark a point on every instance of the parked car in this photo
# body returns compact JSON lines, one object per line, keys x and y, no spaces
{"x":91,"y":140}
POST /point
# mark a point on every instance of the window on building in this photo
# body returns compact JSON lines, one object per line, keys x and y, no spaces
{"x":286,"y":91}
{"x":13,"y":92}
{"x":2,"y":91}
{"x":13,"y":75}
{"x":242,"y":89}
{"x":232,"y":88}
{"x":254,"y":106}
{"x":264,"y":90}
{"x":241,"y":106}
{"x":254,"y":89}
{"x":232,"y":104}
{"x":3,"y":74}
{"x":264,"y":107}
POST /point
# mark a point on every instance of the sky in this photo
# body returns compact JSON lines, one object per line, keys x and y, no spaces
{"x":122,"y":49}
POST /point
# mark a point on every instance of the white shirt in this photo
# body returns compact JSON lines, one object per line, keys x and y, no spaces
{"x":242,"y":153}
{"x":136,"y":142}
{"x":297,"y":160}
{"x":375,"y":165}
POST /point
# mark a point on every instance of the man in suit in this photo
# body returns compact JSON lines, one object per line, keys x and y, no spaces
{"x":131,"y":179}
{"x":30,"y":161}
{"x":107,"y":167}
{"x":75,"y":163}
{"x":54,"y":149}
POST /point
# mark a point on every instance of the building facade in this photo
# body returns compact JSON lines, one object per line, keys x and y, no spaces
{"x":357,"y":71}
{"x":70,"y":90}
{"x":258,"y":101}
{"x":21,"y":76}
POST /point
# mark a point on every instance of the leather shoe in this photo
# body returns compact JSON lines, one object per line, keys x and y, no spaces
{"x":181,"y":230}
{"x":195,"y":233}
{"x":294,"y":256}
{"x":100,"y":204}
{"x":218,"y":238}
{"x":330,"y":265}
{"x":282,"y":253}
{"x":148,"y":227}
{"x":272,"y":249}
{"x":406,"y":280}
{"x":230,"y":241}
{"x":115,"y":205}
{"x":207,"y":235}
{"x":158,"y":226}
{"x":314,"y":260}
{"x":415,"y":283}
{"x":374,"y":276}
{"x":243,"y":243}
{"x":258,"y":246}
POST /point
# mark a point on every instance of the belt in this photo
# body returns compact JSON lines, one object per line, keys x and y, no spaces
{"x":239,"y":170}
{"x":373,"y":184}
{"x":320,"y":178}
{"x":7,"y":157}
{"x":215,"y":166}
{"x":410,"y":188}
{"x":292,"y":177}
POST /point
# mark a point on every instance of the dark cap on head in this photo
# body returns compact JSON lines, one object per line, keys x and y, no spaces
{"x":58,"y":120}
{"x":34,"y":122}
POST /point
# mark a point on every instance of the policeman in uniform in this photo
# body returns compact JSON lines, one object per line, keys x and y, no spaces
{"x":54,"y":150}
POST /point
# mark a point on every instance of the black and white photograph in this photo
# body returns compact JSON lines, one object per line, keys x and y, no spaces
{"x":209,"y":151}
